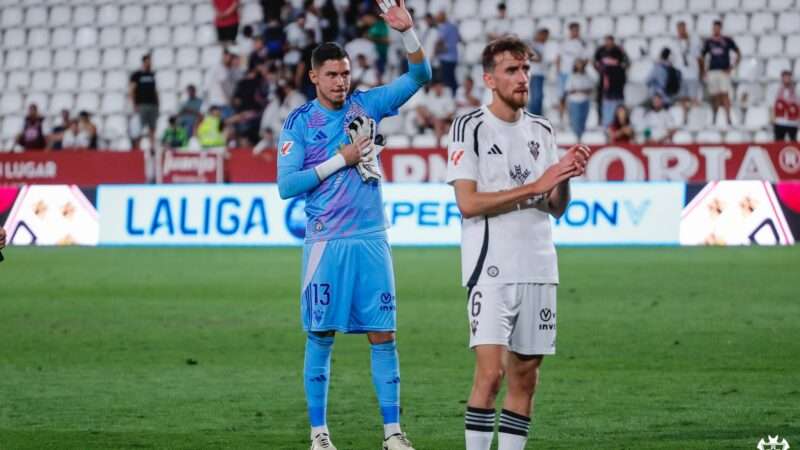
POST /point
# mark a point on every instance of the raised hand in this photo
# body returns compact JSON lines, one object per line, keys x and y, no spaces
{"x":395,"y":14}
{"x":576,"y":158}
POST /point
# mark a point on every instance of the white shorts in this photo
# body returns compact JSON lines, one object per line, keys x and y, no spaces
{"x":519,"y":316}
{"x":718,"y":82}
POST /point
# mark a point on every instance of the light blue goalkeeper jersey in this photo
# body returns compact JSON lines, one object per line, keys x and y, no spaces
{"x":342,"y":205}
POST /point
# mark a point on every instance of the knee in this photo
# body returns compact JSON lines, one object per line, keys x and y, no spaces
{"x":381,"y":337}
{"x":489,"y":380}
{"x":524,"y":380}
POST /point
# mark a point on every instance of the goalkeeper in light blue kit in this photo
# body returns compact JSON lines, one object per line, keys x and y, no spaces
{"x":328,"y":152}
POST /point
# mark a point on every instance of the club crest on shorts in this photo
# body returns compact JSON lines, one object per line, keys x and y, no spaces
{"x":493,"y":271}
{"x":286,"y":148}
{"x":533,"y":147}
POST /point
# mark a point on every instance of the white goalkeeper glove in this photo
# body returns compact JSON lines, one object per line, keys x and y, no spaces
{"x":368,"y":168}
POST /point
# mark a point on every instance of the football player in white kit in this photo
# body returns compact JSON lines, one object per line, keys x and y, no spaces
{"x":508,"y":178}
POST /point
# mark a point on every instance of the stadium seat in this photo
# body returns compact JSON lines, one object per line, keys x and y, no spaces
{"x":539,"y":8}
{"x":682,"y":137}
{"x":620,"y":6}
{"x":113,"y":103}
{"x":724,"y":6}
{"x":677,"y":113}
{"x":781,"y":5}
{"x":132,"y":14}
{"x":686,"y":18}
{"x":754,"y":5}
{"x":699,"y":6}
{"x":699,"y":117}
{"x":110,"y":37}
{"x":749,"y":70}
{"x":211,"y":56}
{"x":639,"y":71}
{"x":749,"y":94}
{"x":628,"y":26}
{"x":566,"y":138}
{"x":158,"y":37}
{"x":113,"y":58}
{"x":183,"y":36}
{"x":16,"y":59}
{"x":252,"y":13}
{"x":86,"y":38}
{"x":593,"y":8}
{"x":435,"y":6}
{"x":708,"y":137}
{"x":674,"y":6}
{"x":61,"y":100}
{"x":67,"y":80}
{"x":35,"y":17}
{"x":554,"y":24}
{"x":522,"y":28}
{"x":594,"y":138}
{"x":735,"y":23}
{"x":156,"y":15}
{"x":746,"y":44}
{"x":770,"y":45}
{"x":190,"y":76}
{"x":87,"y":101}
{"x":19,"y":79}
{"x":38,"y":37}
{"x":658,"y":44}
{"x":133,"y":59}
{"x":168,"y":102}
{"x":135,"y":36}
{"x":62,"y":37}
{"x":762,"y":137}
{"x":654,"y":25}
{"x":789,"y":23}
{"x":12,"y":17}
{"x":180,"y":14}
{"x":41,"y":58}
{"x":471,"y":29}
{"x":568,"y":8}
{"x":762,"y":22}
{"x":167,"y":80}
{"x":11,"y":103}
{"x":793,"y":46}
{"x":12,"y":125}
{"x":601,"y":26}
{"x":775,"y":66}
{"x":397,"y":140}
{"x":635,"y":47}
{"x":82,"y":15}
{"x":89,"y":58}
{"x":796,"y":67}
{"x":205,"y":35}
{"x":108,"y":15}
{"x":756,"y":118}
{"x":64,"y":59}
{"x":648,"y":7}
{"x":39,"y":99}
{"x":705,"y":22}
{"x":61,"y":15}
{"x":420,"y":7}
{"x":737,"y":137}
{"x":164,"y":57}
{"x":424,"y":141}
{"x":187,"y":57}
{"x":91,"y":80}
{"x":203,"y":13}
{"x":14,"y":38}
{"x":635,"y":94}
{"x":116,"y":80}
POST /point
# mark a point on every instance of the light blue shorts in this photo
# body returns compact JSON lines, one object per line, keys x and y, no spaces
{"x":348,"y":285}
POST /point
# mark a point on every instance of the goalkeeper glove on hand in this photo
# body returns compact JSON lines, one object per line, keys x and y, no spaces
{"x":368,"y":167}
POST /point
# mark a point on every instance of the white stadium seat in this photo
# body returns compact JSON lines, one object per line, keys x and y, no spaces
{"x":568,"y":8}
{"x":654,"y":25}
{"x":698,"y":6}
{"x":135,"y":36}
{"x":167,"y":80}
{"x":756,"y":118}
{"x":770,"y":45}
{"x":658,"y":44}
{"x":91,"y":80}
{"x":113,"y":103}
{"x":746,"y":44}
{"x":67,"y":80}
{"x":762,"y":22}
{"x":203,"y":13}
{"x":64,"y":59}
{"x":12,"y":17}
{"x":424,"y":141}
{"x":19,"y":79}
{"x":473,"y":51}
{"x":111,"y":37}
{"x":12,"y":125}
{"x":553,"y":24}
{"x":133,"y":59}
{"x":727,"y":6}
{"x":781,"y":5}
{"x":793,"y":45}
{"x":699,"y":118}
{"x":113,"y":58}
{"x":523,"y":28}
{"x":777,"y":65}
{"x":593,"y":8}
{"x":115,"y":126}
{"x":252,"y":13}
{"x":86,"y":38}
{"x":648,"y":7}
{"x":38,"y":37}
{"x":635,"y":47}
{"x":737,"y":137}
{"x":682,"y":137}
{"x":639,"y":71}
{"x":36,"y":16}
{"x":14,"y":38}
{"x":796,"y":66}
{"x":187,"y":57}
{"x":470,"y":29}
{"x":180,"y":14}
{"x":61,"y":100}
{"x":749,"y":70}
{"x":108,"y":15}
{"x":735,"y":23}
{"x":156,"y":15}
{"x":620,"y":6}
{"x":62,"y":37}
{"x":11,"y":103}
{"x":397,"y":140}
{"x":60,"y":15}
{"x":789,"y":23}
{"x":762,"y":136}
{"x":517,"y":8}
{"x":688,"y":19}
{"x":190,"y":76}
{"x":705,"y":23}
{"x":163,"y":58}
{"x":89,"y":58}
{"x":628,"y":26}
{"x":708,"y":137}
{"x":158,"y":36}
{"x":601,"y":26}
{"x":83,"y":15}
{"x":212,"y":55}
{"x":16,"y":59}
{"x":674,"y":6}
{"x":594,"y":138}
{"x":116,"y":80}
{"x":467,"y":9}
{"x":183,"y":35}
{"x":87,"y":101}
{"x":205,"y":35}
{"x":635,"y":94}
{"x":41,"y":58}
{"x":436,"y":6}
{"x":168,"y":102}
{"x":41,"y":100}
{"x":132,"y":14}
{"x":754,"y":5}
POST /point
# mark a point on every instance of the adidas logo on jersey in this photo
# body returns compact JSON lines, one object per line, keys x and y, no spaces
{"x":320,"y":136}
{"x":495,"y":150}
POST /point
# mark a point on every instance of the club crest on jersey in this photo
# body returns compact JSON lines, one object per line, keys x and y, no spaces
{"x":456,"y":157}
{"x":286,"y":148}
{"x":533,"y":147}
{"x":518,"y":175}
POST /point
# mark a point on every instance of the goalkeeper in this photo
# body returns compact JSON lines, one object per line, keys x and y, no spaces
{"x":328,"y":152}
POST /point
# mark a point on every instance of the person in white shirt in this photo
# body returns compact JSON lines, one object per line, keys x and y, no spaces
{"x":75,"y":138}
{"x":571,"y":49}
{"x":468,"y":96}
{"x":429,"y":37}
{"x":499,"y":26}
{"x":436,"y":110}
{"x":362,"y":46}
{"x":539,"y":68}
{"x":503,"y":164}
{"x":222,"y":82}
{"x":579,"y":89}
{"x":658,"y":125}
{"x":364,"y":75}
{"x":686,"y":58}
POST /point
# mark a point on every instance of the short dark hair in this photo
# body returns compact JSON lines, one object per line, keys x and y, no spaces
{"x":501,"y":6}
{"x":325,"y":52}
{"x":717,"y":23}
{"x":665,"y":53}
{"x":509,"y":44}
{"x":574,"y":25}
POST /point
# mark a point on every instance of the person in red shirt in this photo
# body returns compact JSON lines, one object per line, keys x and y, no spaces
{"x":786,"y":109}
{"x":32,"y":136}
{"x":226,"y":20}
{"x":620,"y":131}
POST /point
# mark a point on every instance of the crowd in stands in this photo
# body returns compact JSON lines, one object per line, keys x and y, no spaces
{"x":262,"y":76}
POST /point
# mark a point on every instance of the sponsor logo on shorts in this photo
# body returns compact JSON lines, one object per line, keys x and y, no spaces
{"x":547,"y":315}
{"x":318,"y":314}
{"x":772,"y":443}
{"x":474,"y":326}
{"x":387,"y":302}
{"x":493,"y":271}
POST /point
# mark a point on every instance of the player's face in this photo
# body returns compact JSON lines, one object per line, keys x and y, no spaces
{"x":332,"y":79}
{"x":509,"y":79}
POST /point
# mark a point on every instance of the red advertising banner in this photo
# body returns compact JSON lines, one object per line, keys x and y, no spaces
{"x":242,"y":166}
{"x":81,"y":167}
{"x":695,"y":163}
{"x":191,"y":167}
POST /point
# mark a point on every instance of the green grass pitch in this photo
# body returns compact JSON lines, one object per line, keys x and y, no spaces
{"x":669,"y":348}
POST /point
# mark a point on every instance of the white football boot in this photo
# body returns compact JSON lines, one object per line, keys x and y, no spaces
{"x":322,"y":442}
{"x":397,"y":441}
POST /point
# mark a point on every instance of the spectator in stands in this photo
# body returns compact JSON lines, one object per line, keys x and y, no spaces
{"x":73,"y":139}
{"x":210,"y":132}
{"x":57,"y":134}
{"x":88,"y":129}
{"x":362,"y":45}
{"x":174,"y":136}
{"x":297,"y":38}
{"x":664,"y":80}
{"x":364,"y":76}
{"x":498,"y":26}
{"x":658,"y":125}
{"x":686,"y":51}
{"x":222,"y":82}
{"x":538,"y":71}
{"x":579,"y":90}
{"x":32,"y":137}
{"x":274,"y":37}
{"x":612,"y":64}
{"x":329,"y":21}
{"x":226,"y":19}
{"x":378,"y":33}
{"x":246,"y":43}
{"x":429,"y":39}
{"x":287,"y":98}
{"x":248,"y":104}
{"x":786,"y":109}
{"x":467,"y":97}
{"x":312,"y":22}
{"x":271,"y":9}
{"x":190,"y":113}
{"x":447,"y":50}
{"x":720,"y":67}
{"x":144,"y":97}
{"x":258,"y":55}
{"x":436,"y":110}
{"x":621,"y":131}
{"x":571,"y":49}
{"x":301,"y":77}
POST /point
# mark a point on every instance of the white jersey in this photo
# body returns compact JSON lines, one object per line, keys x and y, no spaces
{"x":515,"y":247}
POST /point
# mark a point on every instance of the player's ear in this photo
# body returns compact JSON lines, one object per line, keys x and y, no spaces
{"x":312,"y":75}
{"x":488,"y":80}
